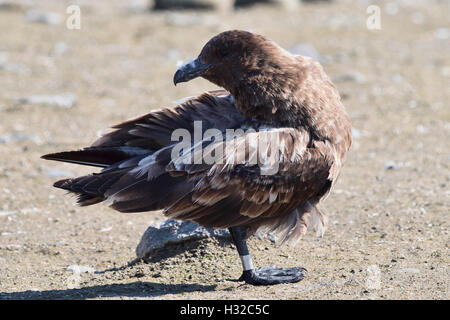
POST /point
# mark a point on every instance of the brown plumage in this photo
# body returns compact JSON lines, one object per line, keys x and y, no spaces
{"x":289,"y":103}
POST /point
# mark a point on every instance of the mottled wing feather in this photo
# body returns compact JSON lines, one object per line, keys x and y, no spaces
{"x":302,"y":174}
{"x":154,"y":130}
{"x":147,"y":186}
{"x":135,"y":154}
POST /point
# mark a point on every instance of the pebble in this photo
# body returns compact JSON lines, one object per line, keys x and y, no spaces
{"x":445,"y":71}
{"x":356,"y":134}
{"x":60,"y":48}
{"x":173,"y":54}
{"x":36,"y":16}
{"x":408,"y":270}
{"x":391,"y":165}
{"x":307,"y":50}
{"x":137,"y":6}
{"x":185,"y":20}
{"x":17,"y":137}
{"x":417,"y":18}
{"x":421,"y":129}
{"x":13,"y":67}
{"x":7,"y":213}
{"x":412,"y":104}
{"x":10,"y":6}
{"x":64,"y":100}
{"x":105,"y":229}
{"x":58,"y":173}
{"x":442,"y":33}
{"x":81,"y":269}
{"x":391,"y":8}
{"x":350,"y":77}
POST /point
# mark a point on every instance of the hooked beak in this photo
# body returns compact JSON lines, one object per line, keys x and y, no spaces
{"x":190,"y":71}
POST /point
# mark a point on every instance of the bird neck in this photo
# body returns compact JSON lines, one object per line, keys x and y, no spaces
{"x":269,"y":98}
{"x":296,"y":101}
{"x":267,"y":91}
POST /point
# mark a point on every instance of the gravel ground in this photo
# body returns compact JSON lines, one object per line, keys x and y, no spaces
{"x":388,"y":236}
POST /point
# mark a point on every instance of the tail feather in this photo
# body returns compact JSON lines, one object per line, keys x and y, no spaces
{"x":87,"y":200}
{"x":90,"y":189}
{"x":96,"y":156}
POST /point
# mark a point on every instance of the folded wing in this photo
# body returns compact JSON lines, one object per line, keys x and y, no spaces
{"x":256,"y":176}
{"x":143,"y":141}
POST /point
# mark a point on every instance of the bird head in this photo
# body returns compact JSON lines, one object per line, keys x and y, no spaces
{"x":264,"y":79}
{"x":233,"y":56}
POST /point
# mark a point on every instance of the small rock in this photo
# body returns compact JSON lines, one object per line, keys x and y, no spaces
{"x":412,"y":104}
{"x":35,"y":16}
{"x":442,"y":33}
{"x":58,"y":173}
{"x":307,"y":50}
{"x":13,"y":67}
{"x":174,"y":232}
{"x":408,"y":270}
{"x":173,"y":54}
{"x":6,"y":213}
{"x":398,"y":78}
{"x":391,"y":165}
{"x":421,"y":129}
{"x":65,"y":100}
{"x":108,"y":103}
{"x":445,"y":71}
{"x":417,"y":18}
{"x":60,"y":48}
{"x":189,"y":19}
{"x":391,"y":8}
{"x":17,"y":137}
{"x":350,"y":77}
{"x":10,"y":6}
{"x":81,"y":269}
{"x":356,"y":134}
{"x":137,"y":6}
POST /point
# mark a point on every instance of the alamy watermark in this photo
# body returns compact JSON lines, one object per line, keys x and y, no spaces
{"x":373,"y":21}
{"x":73,"y":22}
{"x":229,"y":148}
{"x":373,"y":281}
{"x":73,"y":282}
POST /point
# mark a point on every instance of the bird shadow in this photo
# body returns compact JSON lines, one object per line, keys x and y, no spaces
{"x":136,"y":290}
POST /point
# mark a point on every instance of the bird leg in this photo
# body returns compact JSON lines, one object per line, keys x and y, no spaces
{"x":265,"y":275}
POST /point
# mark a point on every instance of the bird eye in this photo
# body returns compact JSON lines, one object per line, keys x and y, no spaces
{"x":224,"y":52}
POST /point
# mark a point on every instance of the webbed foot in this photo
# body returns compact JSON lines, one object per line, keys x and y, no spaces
{"x":272,"y":275}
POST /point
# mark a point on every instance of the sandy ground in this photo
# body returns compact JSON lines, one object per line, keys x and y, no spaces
{"x":388,"y":236}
